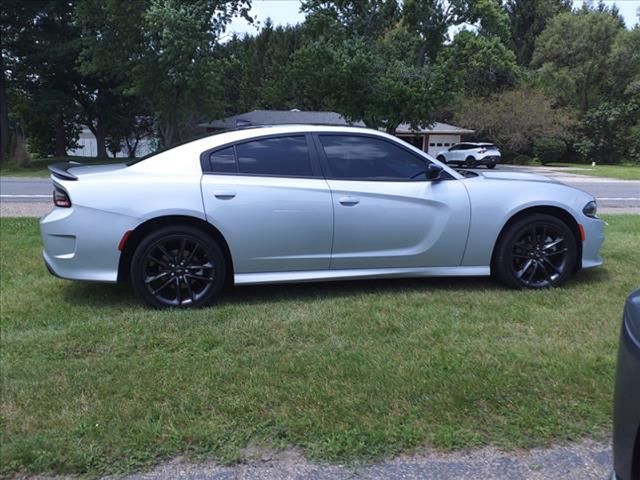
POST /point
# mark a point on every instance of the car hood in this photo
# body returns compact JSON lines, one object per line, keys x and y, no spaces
{"x":516,"y":176}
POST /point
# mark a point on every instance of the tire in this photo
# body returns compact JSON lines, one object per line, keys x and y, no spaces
{"x":491,"y":165}
{"x":537,"y":251}
{"x":441,"y":159}
{"x":178,"y":266}
{"x":470,"y":162}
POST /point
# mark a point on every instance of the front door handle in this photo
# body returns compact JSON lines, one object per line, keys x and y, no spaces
{"x":224,"y":194}
{"x":349,"y":201}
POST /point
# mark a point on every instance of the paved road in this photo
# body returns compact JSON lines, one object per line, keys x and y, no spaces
{"x":611,"y":194}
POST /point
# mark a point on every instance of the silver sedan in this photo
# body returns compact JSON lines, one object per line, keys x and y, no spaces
{"x":308,"y":203}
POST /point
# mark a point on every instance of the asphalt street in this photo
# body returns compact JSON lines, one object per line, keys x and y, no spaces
{"x":612,"y":195}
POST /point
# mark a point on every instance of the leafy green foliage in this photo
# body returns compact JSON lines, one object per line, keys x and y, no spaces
{"x":515,"y":118}
{"x":573,"y":52}
{"x":548,"y":150}
{"x":479,"y":65}
{"x":527,"y":19}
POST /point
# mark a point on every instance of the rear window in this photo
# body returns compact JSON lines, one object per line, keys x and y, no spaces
{"x":282,"y":156}
{"x":279,"y":156}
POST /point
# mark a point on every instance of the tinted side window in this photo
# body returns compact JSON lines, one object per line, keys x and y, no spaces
{"x":283,"y":156}
{"x":370,"y":158}
{"x":223,"y":161}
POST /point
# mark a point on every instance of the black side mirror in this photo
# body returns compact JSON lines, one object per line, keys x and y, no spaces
{"x":433,"y":171}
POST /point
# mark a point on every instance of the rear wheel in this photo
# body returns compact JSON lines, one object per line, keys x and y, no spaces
{"x":491,"y":165}
{"x":441,"y":158}
{"x":470,"y":162}
{"x":178,"y":266}
{"x":537,"y":251}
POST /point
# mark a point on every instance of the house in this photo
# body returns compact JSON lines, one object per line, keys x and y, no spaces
{"x":431,"y":140}
{"x":88,"y":146}
{"x":439,"y":136}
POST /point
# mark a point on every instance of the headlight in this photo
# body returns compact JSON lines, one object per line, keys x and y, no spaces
{"x":590,"y":209}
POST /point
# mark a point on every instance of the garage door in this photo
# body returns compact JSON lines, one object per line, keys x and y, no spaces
{"x":437,"y":143}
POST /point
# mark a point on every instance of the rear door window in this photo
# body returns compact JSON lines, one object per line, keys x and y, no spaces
{"x":279,"y":156}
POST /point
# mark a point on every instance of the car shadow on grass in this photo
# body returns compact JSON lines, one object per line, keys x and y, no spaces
{"x":121,"y":295}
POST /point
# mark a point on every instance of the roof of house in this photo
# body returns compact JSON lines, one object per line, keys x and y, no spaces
{"x":285,"y":117}
{"x":436,"y":128}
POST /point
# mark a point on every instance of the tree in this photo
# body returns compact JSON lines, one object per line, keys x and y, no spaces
{"x":177,"y":72}
{"x":527,"y":19}
{"x":39,"y":49}
{"x":478,"y":65}
{"x":359,"y":18}
{"x":573,"y":53}
{"x":431,"y":20}
{"x":515,"y":118}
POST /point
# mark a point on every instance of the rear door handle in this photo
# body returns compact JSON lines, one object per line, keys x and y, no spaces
{"x":224,"y":194}
{"x":349,"y":201}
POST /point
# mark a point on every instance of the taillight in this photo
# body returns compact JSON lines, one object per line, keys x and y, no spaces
{"x":61,"y":198}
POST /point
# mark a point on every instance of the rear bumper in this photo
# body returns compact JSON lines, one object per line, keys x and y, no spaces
{"x":82,"y":243}
{"x":489,"y":160}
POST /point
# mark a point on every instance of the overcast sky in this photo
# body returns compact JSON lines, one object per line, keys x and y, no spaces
{"x":284,"y":12}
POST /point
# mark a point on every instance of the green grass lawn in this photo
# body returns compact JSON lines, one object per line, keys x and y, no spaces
{"x":623,"y":172}
{"x":39,"y":167}
{"x":94,"y":383}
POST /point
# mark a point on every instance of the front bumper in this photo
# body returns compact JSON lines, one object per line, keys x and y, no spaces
{"x":81,"y":243}
{"x":594,"y":237}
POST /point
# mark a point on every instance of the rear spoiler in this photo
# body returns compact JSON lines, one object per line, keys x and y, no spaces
{"x":61,"y":170}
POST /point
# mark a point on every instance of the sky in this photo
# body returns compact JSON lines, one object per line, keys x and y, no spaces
{"x":284,"y":12}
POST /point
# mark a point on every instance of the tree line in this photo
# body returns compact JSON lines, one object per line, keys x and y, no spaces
{"x":534,"y":76}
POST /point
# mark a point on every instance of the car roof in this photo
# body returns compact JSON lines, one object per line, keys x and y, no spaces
{"x":476,"y":144}
{"x":169,"y":160}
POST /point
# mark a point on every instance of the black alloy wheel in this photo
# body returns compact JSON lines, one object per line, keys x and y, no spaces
{"x":470,"y":162}
{"x":491,"y":165}
{"x":539,"y":251}
{"x":178,"y":267}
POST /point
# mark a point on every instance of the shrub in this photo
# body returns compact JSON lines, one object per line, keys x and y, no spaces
{"x":549,"y":150}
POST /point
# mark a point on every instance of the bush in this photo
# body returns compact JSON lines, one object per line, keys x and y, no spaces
{"x":549,"y":150}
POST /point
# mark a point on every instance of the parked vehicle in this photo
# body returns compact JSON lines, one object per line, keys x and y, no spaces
{"x":471,"y":155}
{"x":305,"y":203}
{"x":626,"y":417}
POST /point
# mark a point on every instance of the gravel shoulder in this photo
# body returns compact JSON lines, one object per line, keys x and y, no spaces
{"x":584,"y":460}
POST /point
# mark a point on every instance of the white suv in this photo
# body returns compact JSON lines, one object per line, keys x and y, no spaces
{"x":471,"y":154}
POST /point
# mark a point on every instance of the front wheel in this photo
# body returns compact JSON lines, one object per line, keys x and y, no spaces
{"x":441,"y":159}
{"x":491,"y":165}
{"x":537,"y":251}
{"x":178,"y":266}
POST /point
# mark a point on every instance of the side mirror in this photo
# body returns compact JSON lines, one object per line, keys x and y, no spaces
{"x":433,"y":171}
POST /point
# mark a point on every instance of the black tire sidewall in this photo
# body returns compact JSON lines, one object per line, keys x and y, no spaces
{"x":206,"y":242}
{"x":502,"y":260}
